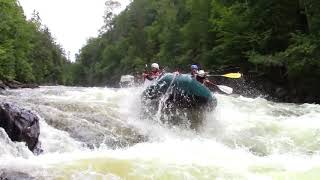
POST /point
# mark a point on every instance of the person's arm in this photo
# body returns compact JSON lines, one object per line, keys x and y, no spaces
{"x":150,"y":78}
{"x":147,"y":76}
{"x":209,"y":82}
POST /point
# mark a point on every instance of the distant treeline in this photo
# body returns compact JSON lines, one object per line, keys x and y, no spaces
{"x":278,"y":40}
{"x":28,"y":52}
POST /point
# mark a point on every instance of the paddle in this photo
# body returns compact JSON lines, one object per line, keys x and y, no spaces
{"x":229,"y":75}
{"x":225,"y":89}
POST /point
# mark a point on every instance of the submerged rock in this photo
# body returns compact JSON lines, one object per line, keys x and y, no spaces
{"x":12,"y":175}
{"x":21,"y":125}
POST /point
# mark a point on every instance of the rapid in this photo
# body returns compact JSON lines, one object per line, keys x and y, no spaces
{"x":98,"y":133}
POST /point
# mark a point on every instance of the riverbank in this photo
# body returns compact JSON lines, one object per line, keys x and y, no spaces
{"x":278,"y":91}
{"x":273,"y":88}
{"x":249,"y":85}
{"x":12,"y":84}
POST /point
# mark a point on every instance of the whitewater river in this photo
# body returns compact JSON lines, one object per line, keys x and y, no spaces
{"x":98,"y":133}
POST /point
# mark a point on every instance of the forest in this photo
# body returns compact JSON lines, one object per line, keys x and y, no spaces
{"x":271,"y":41}
{"x":28,"y":51}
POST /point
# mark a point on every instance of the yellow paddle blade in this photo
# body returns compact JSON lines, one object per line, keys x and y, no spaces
{"x":232,"y":75}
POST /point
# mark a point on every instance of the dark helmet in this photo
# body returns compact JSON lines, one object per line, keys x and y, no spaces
{"x":193,"y":66}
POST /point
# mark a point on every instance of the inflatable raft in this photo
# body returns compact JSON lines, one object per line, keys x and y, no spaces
{"x":180,"y":91}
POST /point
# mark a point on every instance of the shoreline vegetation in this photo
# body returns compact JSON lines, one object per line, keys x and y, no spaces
{"x":28,"y":51}
{"x":275,"y":44}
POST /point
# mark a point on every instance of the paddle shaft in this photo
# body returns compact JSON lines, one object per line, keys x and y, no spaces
{"x":225,"y":89}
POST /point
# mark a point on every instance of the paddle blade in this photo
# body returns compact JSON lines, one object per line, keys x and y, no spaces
{"x":232,"y":75}
{"x":225,"y":89}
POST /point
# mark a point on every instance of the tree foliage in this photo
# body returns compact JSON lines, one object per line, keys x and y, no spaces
{"x":28,"y":53}
{"x":276,"y":38}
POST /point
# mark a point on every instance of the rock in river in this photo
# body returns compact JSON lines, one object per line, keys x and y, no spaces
{"x":21,"y":125}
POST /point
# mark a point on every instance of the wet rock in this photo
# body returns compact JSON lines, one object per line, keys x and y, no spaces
{"x":2,"y":85}
{"x":21,"y":125}
{"x":280,"y":92}
{"x":12,"y":175}
{"x":88,"y":126}
{"x":12,"y":84}
{"x":32,"y":86}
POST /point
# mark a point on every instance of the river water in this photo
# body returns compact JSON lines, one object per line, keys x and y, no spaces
{"x":98,"y":133}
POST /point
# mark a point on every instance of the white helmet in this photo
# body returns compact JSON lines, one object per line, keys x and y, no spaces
{"x":201,"y":73}
{"x":155,"y":65}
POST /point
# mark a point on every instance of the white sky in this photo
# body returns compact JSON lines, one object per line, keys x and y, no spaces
{"x":71,"y":22}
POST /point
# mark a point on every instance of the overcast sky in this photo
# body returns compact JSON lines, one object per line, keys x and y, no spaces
{"x":71,"y":22}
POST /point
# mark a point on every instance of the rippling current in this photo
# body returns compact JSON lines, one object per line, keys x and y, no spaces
{"x":98,"y":133}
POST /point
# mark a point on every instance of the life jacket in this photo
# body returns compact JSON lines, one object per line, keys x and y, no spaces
{"x":153,"y":75}
{"x":201,"y":79}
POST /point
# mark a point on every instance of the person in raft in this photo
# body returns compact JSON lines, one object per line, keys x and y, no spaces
{"x":194,"y":70}
{"x":154,"y":74}
{"x":202,"y":78}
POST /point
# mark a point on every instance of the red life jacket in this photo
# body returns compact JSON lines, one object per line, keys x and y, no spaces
{"x":153,"y":75}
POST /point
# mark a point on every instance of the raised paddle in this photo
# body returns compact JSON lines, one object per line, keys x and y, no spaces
{"x":229,"y":75}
